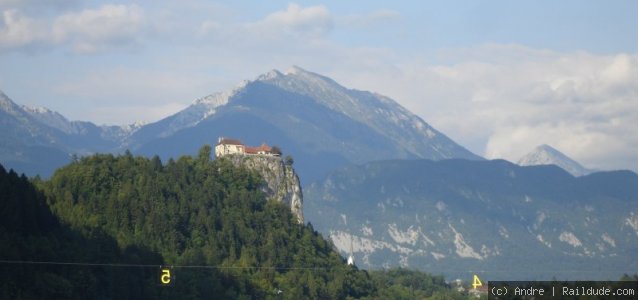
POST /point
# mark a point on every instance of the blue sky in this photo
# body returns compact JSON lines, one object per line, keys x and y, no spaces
{"x":499,"y":77}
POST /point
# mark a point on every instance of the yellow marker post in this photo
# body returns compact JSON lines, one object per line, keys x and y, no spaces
{"x":476,"y":282}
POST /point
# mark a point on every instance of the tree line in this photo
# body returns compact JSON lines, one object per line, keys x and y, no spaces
{"x":122,"y":216}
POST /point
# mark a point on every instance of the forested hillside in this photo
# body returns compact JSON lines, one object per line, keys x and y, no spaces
{"x":121,"y":217}
{"x":29,"y":232}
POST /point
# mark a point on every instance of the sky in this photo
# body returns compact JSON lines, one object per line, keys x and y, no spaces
{"x":498,"y":77}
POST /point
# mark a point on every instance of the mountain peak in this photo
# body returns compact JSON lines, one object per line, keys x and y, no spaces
{"x":272,"y":74}
{"x":547,"y":155}
{"x":221,"y":98}
{"x":293,"y":70}
{"x":312,"y":77}
{"x":545,"y":147}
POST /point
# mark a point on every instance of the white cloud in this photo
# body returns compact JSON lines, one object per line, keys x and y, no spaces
{"x":38,"y":3}
{"x":294,"y":24}
{"x":209,"y":26}
{"x":585,"y":105}
{"x":312,"y":21}
{"x":370,"y":19}
{"x":85,"y":31}
{"x":93,"y":30}
{"x":18,"y":30}
{"x":503,"y":100}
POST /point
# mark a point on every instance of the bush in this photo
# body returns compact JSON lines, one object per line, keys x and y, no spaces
{"x":289,"y":160}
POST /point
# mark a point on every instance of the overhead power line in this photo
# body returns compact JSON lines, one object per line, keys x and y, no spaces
{"x":124,"y":265}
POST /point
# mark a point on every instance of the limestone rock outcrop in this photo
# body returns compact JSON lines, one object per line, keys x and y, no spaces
{"x":282,"y":183}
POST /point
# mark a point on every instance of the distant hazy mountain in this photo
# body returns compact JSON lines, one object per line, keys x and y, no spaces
{"x":321,"y":123}
{"x":38,"y":140}
{"x":460,"y":217}
{"x":27,"y":145}
{"x":546,"y":155}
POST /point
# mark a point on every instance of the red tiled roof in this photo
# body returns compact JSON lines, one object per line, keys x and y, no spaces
{"x":264,"y":147}
{"x":255,"y":150}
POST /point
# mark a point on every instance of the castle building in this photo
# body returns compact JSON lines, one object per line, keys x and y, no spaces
{"x":227,"y":146}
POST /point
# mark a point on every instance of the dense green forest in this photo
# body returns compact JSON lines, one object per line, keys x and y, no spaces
{"x":121,"y":217}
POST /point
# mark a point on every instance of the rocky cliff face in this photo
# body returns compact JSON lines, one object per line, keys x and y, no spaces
{"x":282,"y":183}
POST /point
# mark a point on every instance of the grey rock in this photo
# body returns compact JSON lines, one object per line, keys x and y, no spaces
{"x":281,"y":181}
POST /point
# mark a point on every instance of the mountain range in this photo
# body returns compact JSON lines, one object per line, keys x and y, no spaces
{"x":324,"y":124}
{"x":379,"y":178}
{"x":36,"y":141}
{"x":461,"y":217}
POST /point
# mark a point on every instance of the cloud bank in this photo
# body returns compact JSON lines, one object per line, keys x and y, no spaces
{"x":504,"y":100}
{"x":85,"y":31}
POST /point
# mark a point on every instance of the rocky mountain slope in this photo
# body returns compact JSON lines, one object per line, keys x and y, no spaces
{"x":321,"y":123}
{"x":547,"y":155}
{"x":459,"y":217}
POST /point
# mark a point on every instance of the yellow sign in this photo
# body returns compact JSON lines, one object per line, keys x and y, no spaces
{"x":166,"y":276}
{"x":476,"y":282}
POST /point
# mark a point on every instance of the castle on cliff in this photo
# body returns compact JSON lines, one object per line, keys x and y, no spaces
{"x":280,"y":180}
{"x":227,"y":146}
